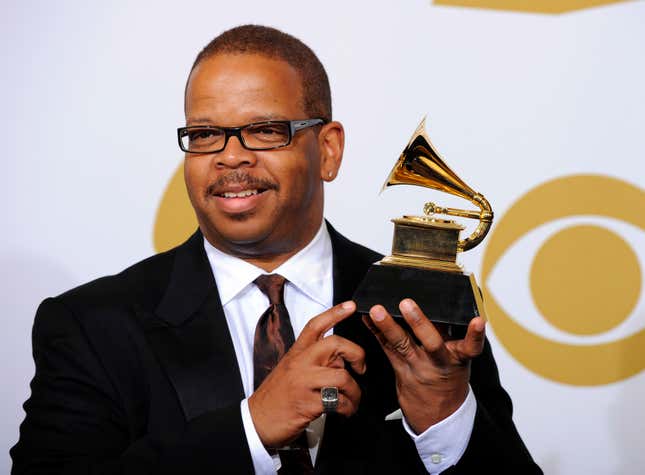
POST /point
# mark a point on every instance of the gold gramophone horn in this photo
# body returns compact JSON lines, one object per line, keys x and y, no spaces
{"x":420,"y":164}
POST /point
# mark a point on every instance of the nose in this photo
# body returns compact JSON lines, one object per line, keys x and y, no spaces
{"x":235,"y":155}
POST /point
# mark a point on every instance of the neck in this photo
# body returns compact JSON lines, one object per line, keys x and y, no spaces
{"x":271,"y":263}
{"x":265,"y":256}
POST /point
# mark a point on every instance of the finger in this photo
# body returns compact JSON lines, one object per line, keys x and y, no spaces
{"x":348,"y":388}
{"x":346,"y":406}
{"x":332,"y":349}
{"x":314,"y":405}
{"x":367,"y":320}
{"x":337,"y":363}
{"x":341,"y":379}
{"x":391,"y":336}
{"x":473,"y":343}
{"x":316,"y":328}
{"x":368,"y":323}
{"x":397,"y":362}
{"x":427,"y":334}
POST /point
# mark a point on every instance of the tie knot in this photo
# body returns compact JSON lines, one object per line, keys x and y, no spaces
{"x":272,"y":285}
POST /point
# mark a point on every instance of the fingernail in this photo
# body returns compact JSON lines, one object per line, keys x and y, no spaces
{"x":378,"y":314}
{"x":480,"y":325}
{"x":406,"y":305}
{"x":349,"y":305}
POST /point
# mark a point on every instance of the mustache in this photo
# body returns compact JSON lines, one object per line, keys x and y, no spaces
{"x":239,"y":177}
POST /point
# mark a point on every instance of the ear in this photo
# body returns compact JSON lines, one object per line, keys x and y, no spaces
{"x":331,"y":142}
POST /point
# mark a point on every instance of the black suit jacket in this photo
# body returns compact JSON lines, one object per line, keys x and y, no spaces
{"x":136,"y":373}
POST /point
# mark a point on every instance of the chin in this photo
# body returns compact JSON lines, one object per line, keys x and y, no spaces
{"x":240,"y":217}
{"x":237,"y":230}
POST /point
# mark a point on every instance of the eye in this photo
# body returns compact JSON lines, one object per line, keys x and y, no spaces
{"x":204,"y":135}
{"x":268,"y":132}
{"x":563,"y":281}
{"x":265,"y":130}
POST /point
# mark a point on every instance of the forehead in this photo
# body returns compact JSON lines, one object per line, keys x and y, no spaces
{"x":234,"y":89}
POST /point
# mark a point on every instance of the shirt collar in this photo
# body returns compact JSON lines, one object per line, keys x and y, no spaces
{"x":310,"y":270}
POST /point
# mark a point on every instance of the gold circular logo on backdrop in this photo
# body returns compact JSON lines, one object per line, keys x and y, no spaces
{"x":584,"y":280}
{"x":581,"y":294}
{"x":536,"y":6}
{"x":175,"y":220}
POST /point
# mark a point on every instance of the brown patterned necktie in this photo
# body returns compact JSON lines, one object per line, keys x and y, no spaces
{"x":273,"y":338}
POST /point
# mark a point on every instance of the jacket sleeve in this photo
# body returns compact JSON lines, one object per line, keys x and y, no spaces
{"x":495,"y":446}
{"x":77,"y":420}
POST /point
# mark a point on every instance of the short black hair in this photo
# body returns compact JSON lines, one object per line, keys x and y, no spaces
{"x":275,"y":44}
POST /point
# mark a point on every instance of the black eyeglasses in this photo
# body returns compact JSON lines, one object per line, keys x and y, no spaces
{"x":257,"y":136}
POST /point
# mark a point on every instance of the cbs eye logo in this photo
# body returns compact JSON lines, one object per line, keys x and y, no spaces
{"x":586,"y":325}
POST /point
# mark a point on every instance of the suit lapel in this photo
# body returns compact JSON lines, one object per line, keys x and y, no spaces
{"x":189,"y":334}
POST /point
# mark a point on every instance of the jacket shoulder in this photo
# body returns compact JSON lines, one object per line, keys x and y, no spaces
{"x":350,"y":250}
{"x":143,"y":283}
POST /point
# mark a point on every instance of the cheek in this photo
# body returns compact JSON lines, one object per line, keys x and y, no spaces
{"x":304,"y":184}
{"x":195,"y":177}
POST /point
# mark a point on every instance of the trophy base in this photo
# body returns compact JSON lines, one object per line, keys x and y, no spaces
{"x":445,"y":297}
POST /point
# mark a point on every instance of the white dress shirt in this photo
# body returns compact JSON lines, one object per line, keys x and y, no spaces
{"x":307,"y":293}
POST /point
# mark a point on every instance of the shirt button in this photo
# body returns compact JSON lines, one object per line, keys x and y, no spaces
{"x":436,"y":458}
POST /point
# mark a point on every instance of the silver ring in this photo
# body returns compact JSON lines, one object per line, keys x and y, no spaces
{"x":329,"y":398}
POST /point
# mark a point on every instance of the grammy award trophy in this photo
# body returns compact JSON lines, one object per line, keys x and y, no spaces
{"x":423,"y":264}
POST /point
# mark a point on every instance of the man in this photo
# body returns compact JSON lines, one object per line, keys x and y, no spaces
{"x":176,"y":365}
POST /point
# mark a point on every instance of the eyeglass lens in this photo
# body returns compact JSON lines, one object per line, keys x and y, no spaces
{"x":255,"y":136}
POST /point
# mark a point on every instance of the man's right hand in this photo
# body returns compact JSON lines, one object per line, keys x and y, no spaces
{"x":289,"y":398}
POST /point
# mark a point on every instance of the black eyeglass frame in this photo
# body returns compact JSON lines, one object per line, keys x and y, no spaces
{"x":294,"y":126}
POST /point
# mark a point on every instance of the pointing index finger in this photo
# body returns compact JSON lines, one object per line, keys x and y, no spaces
{"x":316,"y":328}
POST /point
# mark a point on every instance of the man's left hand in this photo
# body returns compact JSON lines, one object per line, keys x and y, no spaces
{"x":431,"y":377}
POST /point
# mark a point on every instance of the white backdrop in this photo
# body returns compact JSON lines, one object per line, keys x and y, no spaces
{"x":91,"y":95}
